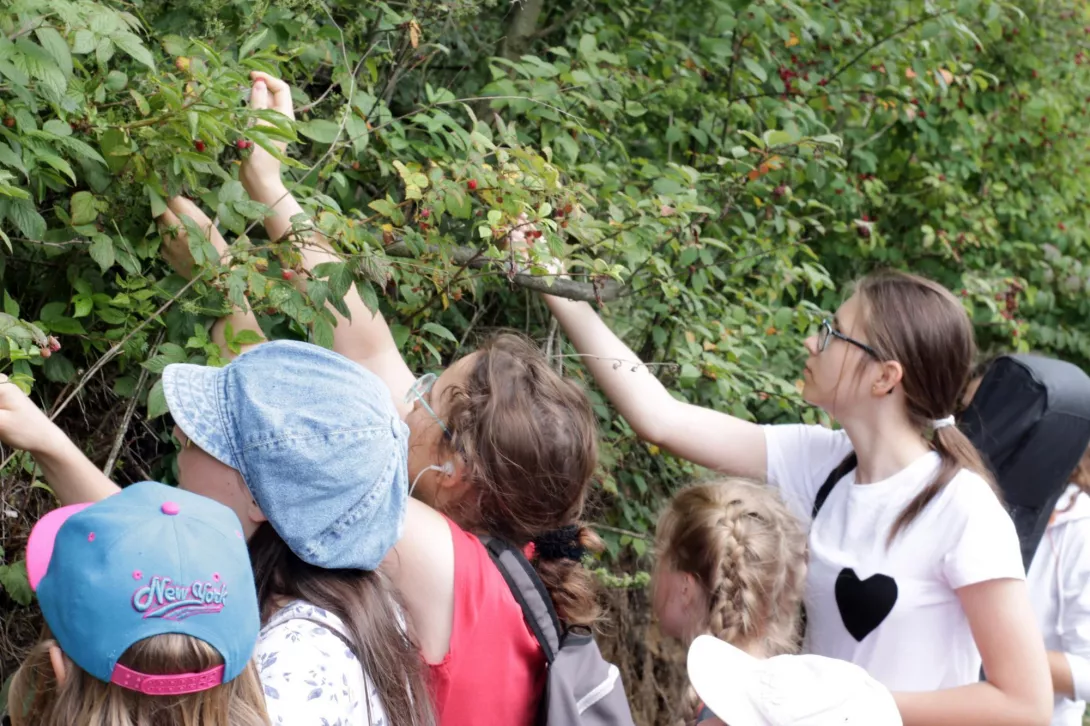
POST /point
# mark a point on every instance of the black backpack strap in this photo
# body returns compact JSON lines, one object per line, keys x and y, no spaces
{"x":529,"y":592}
{"x":835,"y":475}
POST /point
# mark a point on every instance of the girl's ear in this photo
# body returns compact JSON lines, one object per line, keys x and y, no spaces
{"x":890,"y":378}
{"x":56,"y":659}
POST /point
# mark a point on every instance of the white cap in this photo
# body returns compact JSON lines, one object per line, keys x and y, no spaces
{"x":788,"y":690}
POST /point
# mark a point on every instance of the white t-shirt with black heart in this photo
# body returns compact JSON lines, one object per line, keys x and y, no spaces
{"x":892,"y":610}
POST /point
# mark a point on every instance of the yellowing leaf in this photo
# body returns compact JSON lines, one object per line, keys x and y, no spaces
{"x":909,"y":73}
{"x":689,"y":336}
{"x":946,"y":76}
{"x":792,"y":41}
{"x":654,"y":450}
{"x":414,"y":33}
{"x":708,"y":345}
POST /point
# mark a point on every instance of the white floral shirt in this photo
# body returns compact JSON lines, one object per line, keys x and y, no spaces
{"x":310,"y":676}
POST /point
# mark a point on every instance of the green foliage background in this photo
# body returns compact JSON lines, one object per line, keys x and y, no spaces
{"x":715,"y":171}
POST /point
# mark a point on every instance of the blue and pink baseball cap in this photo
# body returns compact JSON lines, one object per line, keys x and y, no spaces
{"x":146,"y":561}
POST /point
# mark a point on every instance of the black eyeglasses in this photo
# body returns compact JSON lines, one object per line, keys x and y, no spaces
{"x":827,"y":332}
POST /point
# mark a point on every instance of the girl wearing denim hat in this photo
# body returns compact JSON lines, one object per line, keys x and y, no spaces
{"x":499,"y":444}
{"x":319,"y":494}
{"x":150,"y":614}
{"x":915,"y":571}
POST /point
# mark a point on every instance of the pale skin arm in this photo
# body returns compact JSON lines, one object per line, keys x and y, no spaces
{"x":71,"y":475}
{"x":365,"y":337}
{"x":702,"y":435}
{"x":1062,"y":682}
{"x":175,"y":250}
{"x":1018,"y":691}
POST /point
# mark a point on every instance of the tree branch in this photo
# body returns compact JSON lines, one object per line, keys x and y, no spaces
{"x":571,"y":289}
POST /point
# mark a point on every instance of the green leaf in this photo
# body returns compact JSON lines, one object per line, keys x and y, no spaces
{"x":339,"y":277}
{"x":37,"y":63}
{"x":102,"y":251}
{"x":322,"y":333}
{"x":58,"y":368}
{"x":439,"y":330}
{"x":57,"y":47}
{"x":756,"y":69}
{"x":132,"y":45}
{"x":401,"y":335}
{"x":10,"y":158}
{"x":252,"y":42}
{"x":57,"y":163}
{"x":116,"y":80}
{"x":83,"y":42}
{"x":13,"y":579}
{"x":320,"y":130}
{"x":141,"y":102}
{"x":158,"y":206}
{"x":24,"y":215}
{"x":83,"y":208}
{"x":157,"y":400}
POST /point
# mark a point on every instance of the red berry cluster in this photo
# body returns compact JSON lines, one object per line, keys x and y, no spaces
{"x":1009,"y":300}
{"x":52,"y":345}
{"x":244,"y":144}
{"x":199,"y":146}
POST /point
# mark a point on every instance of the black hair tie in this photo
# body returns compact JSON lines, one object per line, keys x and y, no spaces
{"x":560,"y":544}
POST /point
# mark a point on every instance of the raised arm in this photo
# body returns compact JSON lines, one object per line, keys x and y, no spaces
{"x":175,"y":250}
{"x":72,"y":476}
{"x":1017,"y":692}
{"x":364,"y":337}
{"x":701,"y":435}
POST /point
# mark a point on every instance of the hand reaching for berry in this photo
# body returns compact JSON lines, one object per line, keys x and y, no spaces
{"x":521,"y":238}
{"x":260,"y":173}
{"x":22,"y":424}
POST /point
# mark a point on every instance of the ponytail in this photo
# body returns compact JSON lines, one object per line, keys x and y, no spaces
{"x":957,"y":453}
{"x":557,"y":558}
{"x":921,"y":325}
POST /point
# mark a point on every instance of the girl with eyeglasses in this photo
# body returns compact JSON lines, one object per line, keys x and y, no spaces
{"x":915,"y":572}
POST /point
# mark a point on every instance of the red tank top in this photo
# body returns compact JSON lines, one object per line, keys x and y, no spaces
{"x":494,"y":672}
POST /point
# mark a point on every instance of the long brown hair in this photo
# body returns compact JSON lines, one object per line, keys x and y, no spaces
{"x":529,"y":442}
{"x":36,"y":698}
{"x":922,"y":326}
{"x":747,"y":553}
{"x":369,"y":607}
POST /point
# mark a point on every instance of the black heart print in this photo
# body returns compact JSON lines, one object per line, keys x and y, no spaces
{"x":864,"y":604}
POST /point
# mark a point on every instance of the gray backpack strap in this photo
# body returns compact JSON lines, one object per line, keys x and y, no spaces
{"x":529,"y":591}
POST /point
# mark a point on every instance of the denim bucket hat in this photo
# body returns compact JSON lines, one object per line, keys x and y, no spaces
{"x":317,"y":440}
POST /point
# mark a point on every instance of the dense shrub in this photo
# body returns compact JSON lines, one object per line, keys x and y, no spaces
{"x":714,"y":171}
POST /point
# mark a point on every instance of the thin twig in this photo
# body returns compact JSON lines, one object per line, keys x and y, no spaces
{"x":122,"y":430}
{"x":618,"y":530}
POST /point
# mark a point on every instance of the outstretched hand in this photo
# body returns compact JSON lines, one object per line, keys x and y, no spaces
{"x":22,"y":424}
{"x":260,"y":173}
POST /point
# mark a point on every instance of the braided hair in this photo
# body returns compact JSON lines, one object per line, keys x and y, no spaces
{"x":747,"y":553}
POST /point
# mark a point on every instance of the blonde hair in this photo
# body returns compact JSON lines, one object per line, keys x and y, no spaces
{"x":747,"y":552}
{"x":37,"y":698}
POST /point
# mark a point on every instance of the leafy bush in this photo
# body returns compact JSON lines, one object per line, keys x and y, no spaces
{"x":713,"y":171}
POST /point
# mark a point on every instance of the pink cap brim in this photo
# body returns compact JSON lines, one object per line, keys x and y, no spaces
{"x":39,"y":547}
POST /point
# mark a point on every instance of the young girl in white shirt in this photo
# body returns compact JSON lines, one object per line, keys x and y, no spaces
{"x":915,"y":572}
{"x":1058,"y":577}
